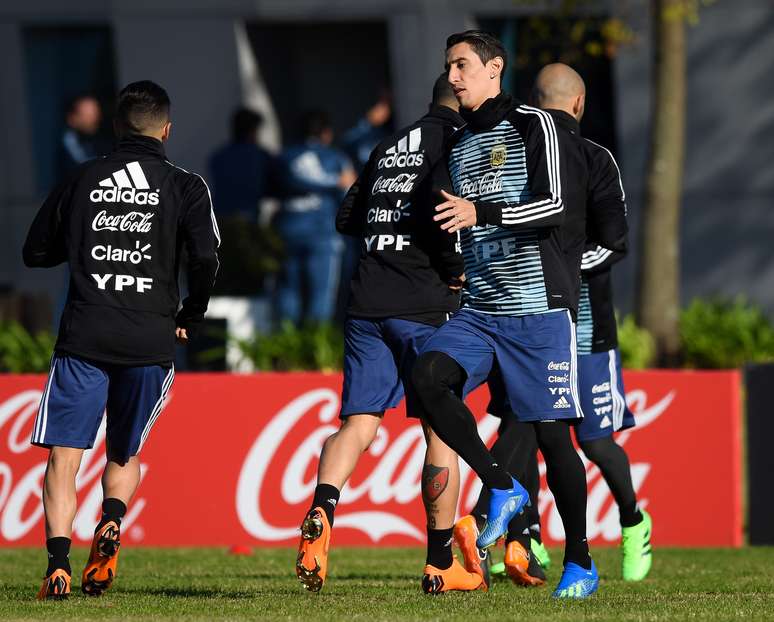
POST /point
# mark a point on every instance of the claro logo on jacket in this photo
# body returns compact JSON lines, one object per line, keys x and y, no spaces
{"x":126,"y":185}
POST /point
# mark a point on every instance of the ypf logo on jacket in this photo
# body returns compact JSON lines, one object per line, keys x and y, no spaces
{"x":126,"y":185}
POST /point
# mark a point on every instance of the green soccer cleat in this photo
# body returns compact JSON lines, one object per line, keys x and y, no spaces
{"x":635,"y":545}
{"x":497,"y":569}
{"x":541,"y":553}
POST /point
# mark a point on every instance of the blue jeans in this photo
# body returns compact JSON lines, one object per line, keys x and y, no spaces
{"x":312,"y":263}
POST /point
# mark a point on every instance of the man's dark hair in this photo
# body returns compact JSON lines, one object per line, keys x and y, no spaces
{"x":484,"y":44}
{"x":314,"y":123}
{"x":443,"y":93}
{"x":141,"y":106}
{"x":244,"y":124}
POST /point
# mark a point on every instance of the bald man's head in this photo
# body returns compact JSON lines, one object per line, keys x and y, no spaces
{"x":560,"y":87}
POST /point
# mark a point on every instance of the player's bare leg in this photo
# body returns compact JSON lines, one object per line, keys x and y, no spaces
{"x":59,"y":498}
{"x":338,"y":459}
{"x":343,"y":449}
{"x":59,"y":504}
{"x":120,"y":480}
{"x":440,"y":493}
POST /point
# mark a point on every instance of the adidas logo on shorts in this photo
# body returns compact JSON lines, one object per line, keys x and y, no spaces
{"x":126,"y":185}
{"x":562,"y":403}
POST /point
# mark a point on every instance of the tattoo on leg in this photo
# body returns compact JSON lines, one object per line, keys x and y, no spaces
{"x":434,"y":481}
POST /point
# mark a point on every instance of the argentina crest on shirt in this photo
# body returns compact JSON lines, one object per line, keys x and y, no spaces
{"x":503,"y":266}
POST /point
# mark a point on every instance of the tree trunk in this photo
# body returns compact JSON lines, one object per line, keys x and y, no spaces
{"x":658,"y":303}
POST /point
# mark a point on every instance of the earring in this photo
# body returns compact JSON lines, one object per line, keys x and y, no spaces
{"x":492,"y":76}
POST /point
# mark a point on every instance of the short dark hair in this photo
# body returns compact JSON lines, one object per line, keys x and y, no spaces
{"x":442,"y":90}
{"x":314,"y":123}
{"x":483,"y":43}
{"x":244,"y":124}
{"x":141,"y":106}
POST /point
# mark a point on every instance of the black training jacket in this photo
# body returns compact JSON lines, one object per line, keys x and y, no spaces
{"x":407,"y":259}
{"x":596,"y":327}
{"x":121,"y":222}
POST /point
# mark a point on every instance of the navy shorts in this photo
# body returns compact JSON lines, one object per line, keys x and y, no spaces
{"x":79,"y":392}
{"x":378,"y":358}
{"x":602,"y":396}
{"x":535,"y":353}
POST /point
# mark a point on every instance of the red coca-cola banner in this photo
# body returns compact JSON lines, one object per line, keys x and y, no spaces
{"x":239,"y":454}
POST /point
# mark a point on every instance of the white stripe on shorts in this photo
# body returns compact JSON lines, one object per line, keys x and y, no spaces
{"x":39,"y":429}
{"x":574,"y":368}
{"x":619,"y":404}
{"x":158,"y":407}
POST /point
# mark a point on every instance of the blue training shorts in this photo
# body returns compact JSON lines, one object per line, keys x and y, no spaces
{"x":79,"y":392}
{"x":535,"y":353}
{"x":378,"y":358}
{"x":602,"y":396}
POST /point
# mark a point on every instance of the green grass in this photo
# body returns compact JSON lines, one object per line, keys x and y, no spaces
{"x":384,"y":584}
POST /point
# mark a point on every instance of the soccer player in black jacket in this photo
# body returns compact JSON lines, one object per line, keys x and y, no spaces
{"x":405,"y":286}
{"x":121,"y":223}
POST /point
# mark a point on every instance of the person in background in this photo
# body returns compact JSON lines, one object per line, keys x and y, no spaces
{"x":240,"y":170}
{"x":79,"y":142}
{"x":359,"y":140}
{"x":314,"y":175}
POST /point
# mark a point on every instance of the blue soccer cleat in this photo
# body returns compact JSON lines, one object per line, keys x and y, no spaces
{"x":577,"y":582}
{"x":504,"y":504}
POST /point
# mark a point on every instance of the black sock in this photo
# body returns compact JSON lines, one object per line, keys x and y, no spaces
{"x":577,"y":551}
{"x":567,"y":480}
{"x":613,"y":463}
{"x":58,"y":554}
{"x":437,"y":381}
{"x":112,"y":510}
{"x":518,"y":531}
{"x":630,"y":515}
{"x":534,"y":533}
{"x":326,"y":497}
{"x":439,"y":547}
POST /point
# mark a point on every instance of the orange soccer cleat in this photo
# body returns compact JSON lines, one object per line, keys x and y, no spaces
{"x":100,"y":570}
{"x":437,"y":581}
{"x":522,"y":567}
{"x":56,"y":586}
{"x":476,"y":560}
{"x":312,"y":560}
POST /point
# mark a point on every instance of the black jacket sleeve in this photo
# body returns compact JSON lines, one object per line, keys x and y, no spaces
{"x":201,"y":238}
{"x":351,"y":216}
{"x":606,"y":203}
{"x":597,"y":258}
{"x":45,"y":244}
{"x":545,"y":207}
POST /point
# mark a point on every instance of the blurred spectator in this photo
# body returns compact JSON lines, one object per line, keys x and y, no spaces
{"x":240,"y":171}
{"x":360,"y":140}
{"x":315,"y":176}
{"x":242,"y":175}
{"x":80,"y":141}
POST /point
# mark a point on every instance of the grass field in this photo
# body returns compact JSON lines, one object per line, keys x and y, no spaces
{"x":383,"y":584}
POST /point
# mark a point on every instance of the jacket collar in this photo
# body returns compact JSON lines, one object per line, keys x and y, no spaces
{"x":490,"y":113}
{"x":142,"y":145}
{"x":445,"y":115}
{"x":565,"y":120}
